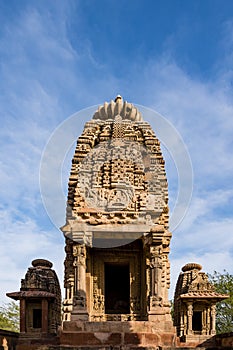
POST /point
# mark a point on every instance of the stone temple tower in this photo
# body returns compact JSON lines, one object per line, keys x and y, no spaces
{"x":117,"y":234}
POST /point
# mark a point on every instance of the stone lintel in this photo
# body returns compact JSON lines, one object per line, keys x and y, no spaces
{"x":28,"y":294}
{"x":84,"y":233}
{"x":74,"y":226}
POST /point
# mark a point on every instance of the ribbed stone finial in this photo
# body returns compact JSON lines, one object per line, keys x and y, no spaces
{"x":109,"y":110}
{"x":191,"y":266}
{"x":118,"y":98}
{"x":42,"y":263}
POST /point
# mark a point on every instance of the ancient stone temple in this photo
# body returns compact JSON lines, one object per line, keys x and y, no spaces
{"x":194,"y":305}
{"x":117,"y":238}
{"x":40,"y":304}
{"x":117,"y":234}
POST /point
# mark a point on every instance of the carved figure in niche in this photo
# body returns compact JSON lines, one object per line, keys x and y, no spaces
{"x":156,"y":301}
{"x":105,"y":133}
{"x":79,"y":300}
{"x":34,"y":281}
{"x":98,"y":302}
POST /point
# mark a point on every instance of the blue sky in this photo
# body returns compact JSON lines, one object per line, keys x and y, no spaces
{"x":59,"y":57}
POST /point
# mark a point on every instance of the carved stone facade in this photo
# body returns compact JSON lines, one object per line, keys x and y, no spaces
{"x":117,"y":222}
{"x":194,"y":304}
{"x":40,"y":301}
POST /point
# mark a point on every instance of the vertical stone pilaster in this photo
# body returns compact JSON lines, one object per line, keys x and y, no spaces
{"x":68,"y":281}
{"x":204,"y":330}
{"x":185,"y":323}
{"x":208,"y":321}
{"x":190,"y":318}
{"x":79,"y":299}
{"x":155,"y":278}
{"x":213,"y":319}
{"x":181,"y":330}
{"x":158,"y":275}
{"x":22,"y":316}
{"x":44,"y":326}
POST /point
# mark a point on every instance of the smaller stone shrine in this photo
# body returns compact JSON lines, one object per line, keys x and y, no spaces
{"x":194,"y":305}
{"x":40,"y":303}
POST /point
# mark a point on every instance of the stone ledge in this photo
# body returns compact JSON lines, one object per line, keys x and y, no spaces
{"x":123,"y":339}
{"x":118,"y":326}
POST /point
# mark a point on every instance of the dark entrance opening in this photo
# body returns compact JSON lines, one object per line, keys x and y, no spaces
{"x":117,"y":288}
{"x":37,"y":318}
{"x":197,"y":321}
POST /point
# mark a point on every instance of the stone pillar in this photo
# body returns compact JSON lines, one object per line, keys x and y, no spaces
{"x":181,"y":330}
{"x":213,"y":319}
{"x":22,"y":316}
{"x":79,"y":300}
{"x":190,"y":318}
{"x":204,"y":330}
{"x":165,"y":280}
{"x":156,"y":302}
{"x":185,"y":323}
{"x":44,"y":325}
{"x":208,"y":321}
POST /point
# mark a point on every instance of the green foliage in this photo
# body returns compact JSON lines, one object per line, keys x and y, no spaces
{"x":9,"y":317}
{"x":223,"y":283}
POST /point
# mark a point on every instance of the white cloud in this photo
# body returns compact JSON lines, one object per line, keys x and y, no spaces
{"x":23,"y":242}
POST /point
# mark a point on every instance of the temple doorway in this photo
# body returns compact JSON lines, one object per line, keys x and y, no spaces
{"x":117,"y":288}
{"x":197,"y":321}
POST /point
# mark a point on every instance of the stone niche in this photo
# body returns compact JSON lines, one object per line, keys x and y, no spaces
{"x":117,"y":234}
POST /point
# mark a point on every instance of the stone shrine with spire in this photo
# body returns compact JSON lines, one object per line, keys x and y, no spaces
{"x":117,"y":235}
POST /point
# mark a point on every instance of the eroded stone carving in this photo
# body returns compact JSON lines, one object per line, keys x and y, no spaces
{"x":118,"y":166}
